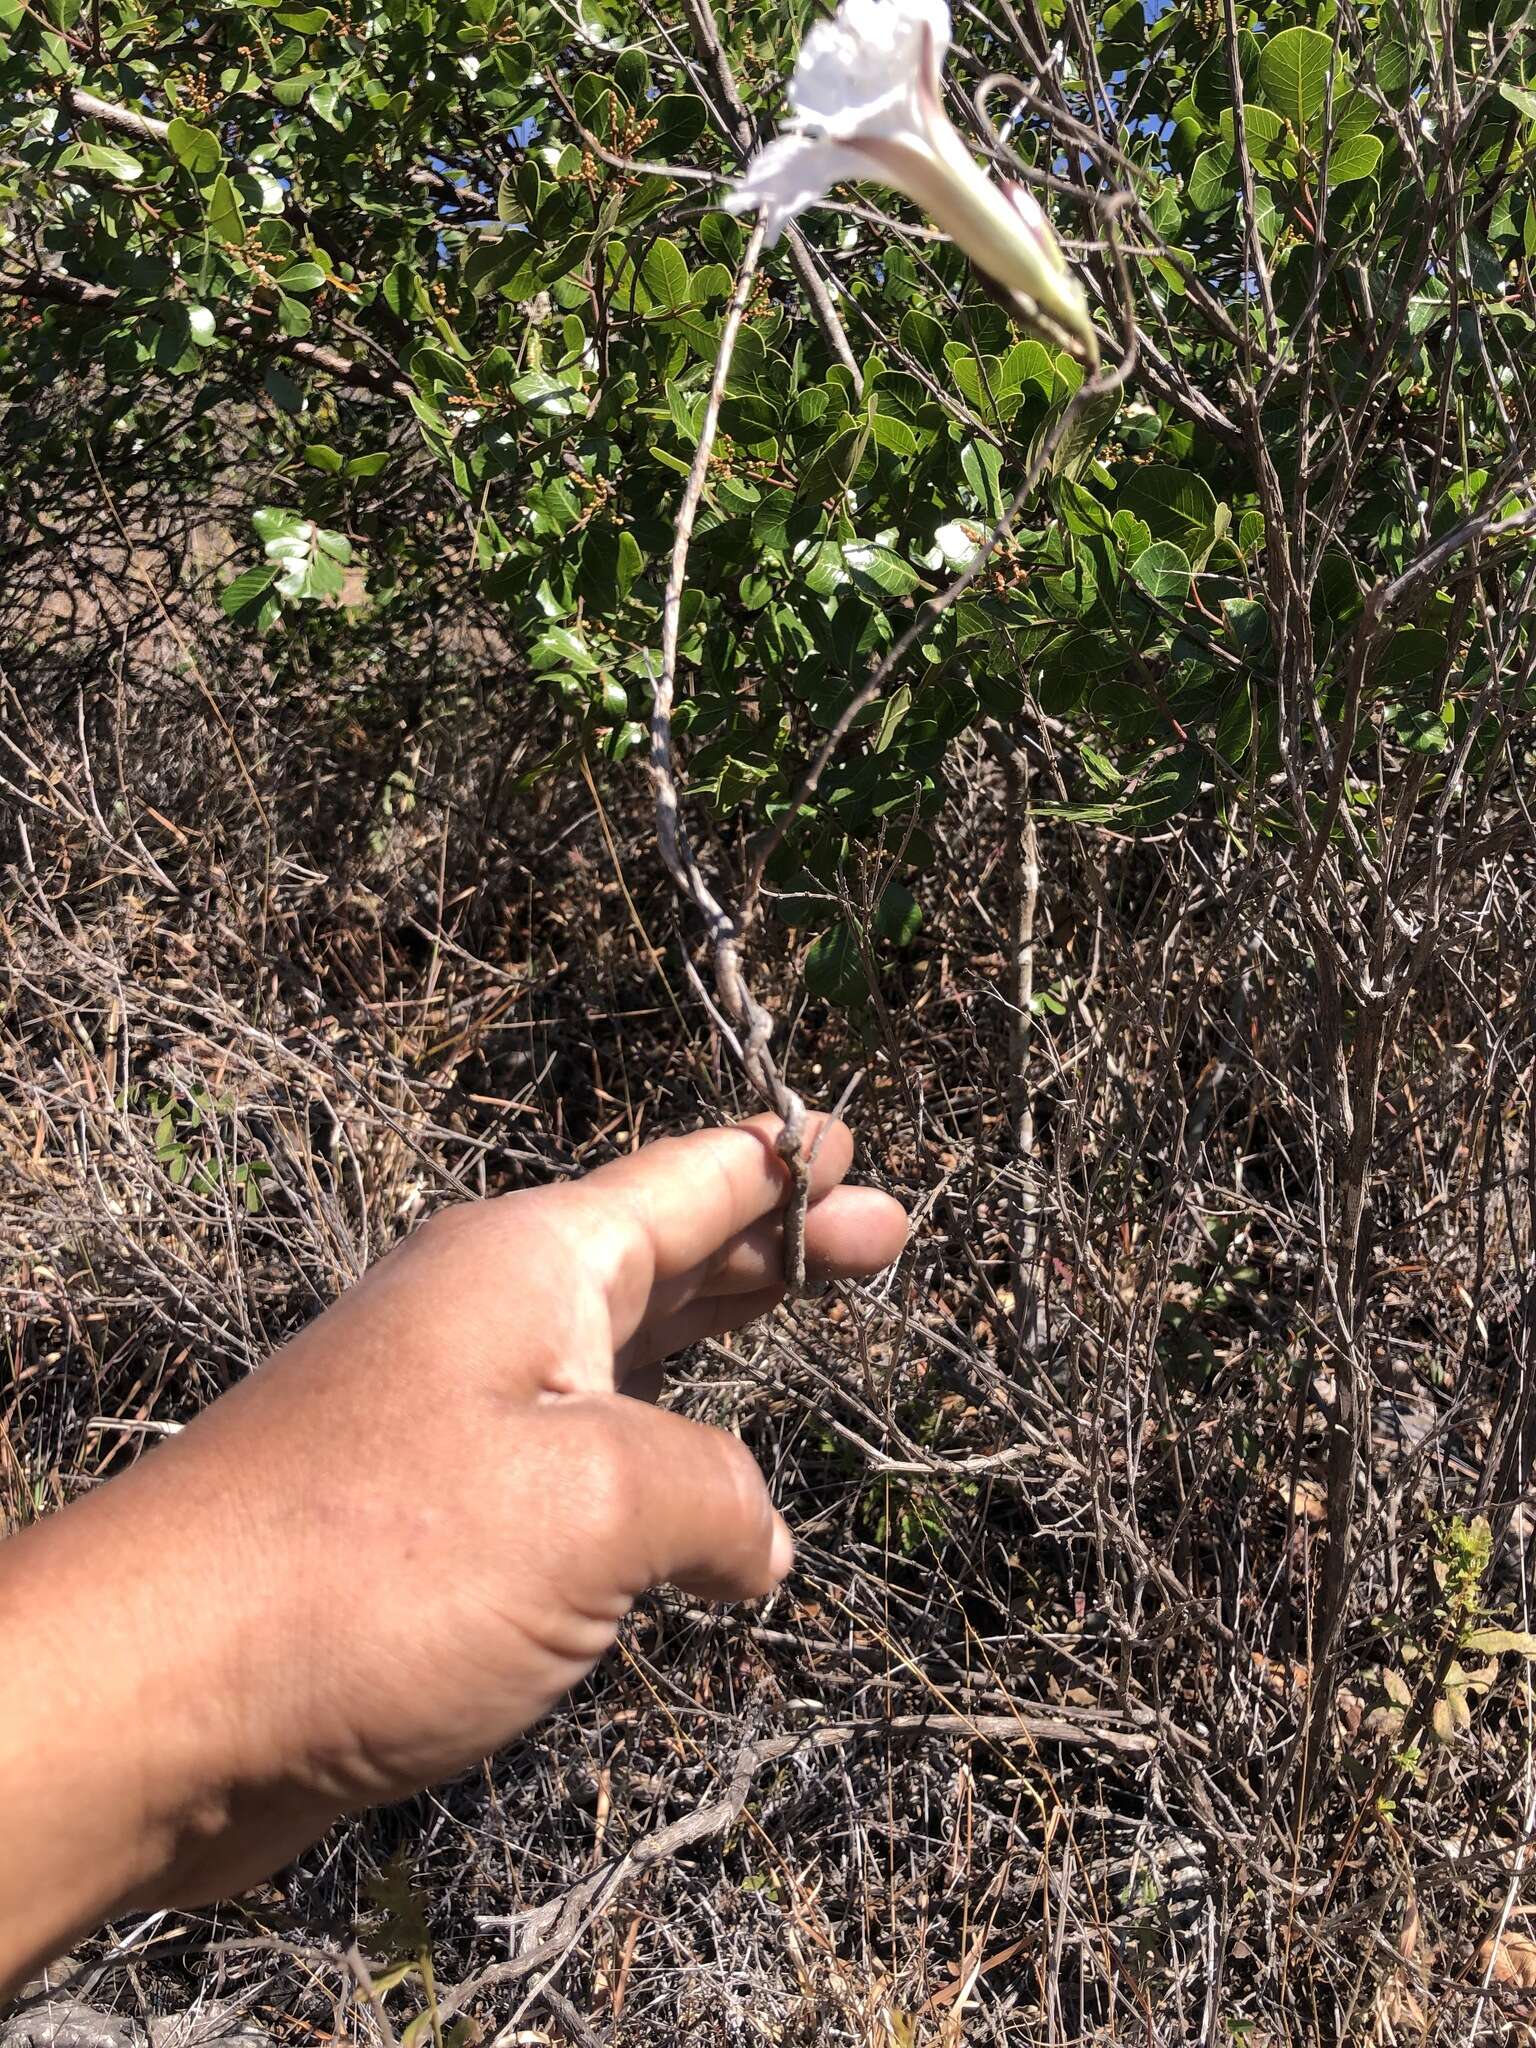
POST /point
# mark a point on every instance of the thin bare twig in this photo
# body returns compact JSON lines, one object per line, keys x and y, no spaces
{"x":752,"y":1023}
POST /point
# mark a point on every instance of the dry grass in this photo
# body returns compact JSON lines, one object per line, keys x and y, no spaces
{"x":1068,"y":1764}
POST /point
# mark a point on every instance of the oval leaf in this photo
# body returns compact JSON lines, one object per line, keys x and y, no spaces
{"x":1163,"y":572}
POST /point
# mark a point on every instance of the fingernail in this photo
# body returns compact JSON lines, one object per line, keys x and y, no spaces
{"x":782,"y":1554}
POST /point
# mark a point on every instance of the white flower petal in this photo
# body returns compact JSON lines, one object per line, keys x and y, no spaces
{"x":789,"y":174}
{"x":958,"y":540}
{"x":865,"y":63}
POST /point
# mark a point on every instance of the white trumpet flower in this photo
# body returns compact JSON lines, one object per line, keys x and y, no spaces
{"x":866,"y":101}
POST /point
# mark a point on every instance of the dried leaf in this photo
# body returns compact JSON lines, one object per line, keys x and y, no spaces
{"x":1281,"y":1675}
{"x":1508,"y":1958}
{"x":1411,"y":1930}
{"x":1396,"y":1687}
{"x":1498,"y":1642}
{"x":1309,"y":1501}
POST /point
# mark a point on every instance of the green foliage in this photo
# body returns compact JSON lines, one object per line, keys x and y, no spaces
{"x":198,"y":1145}
{"x":445,"y":256}
{"x":400,"y":1934}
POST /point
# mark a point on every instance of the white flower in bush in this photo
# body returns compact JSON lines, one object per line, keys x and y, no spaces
{"x":956,"y":544}
{"x":866,"y":101}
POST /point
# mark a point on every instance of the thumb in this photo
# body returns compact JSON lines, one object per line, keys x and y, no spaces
{"x":704,"y":1521}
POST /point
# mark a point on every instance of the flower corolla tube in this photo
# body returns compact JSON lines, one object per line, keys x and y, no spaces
{"x":866,"y":101}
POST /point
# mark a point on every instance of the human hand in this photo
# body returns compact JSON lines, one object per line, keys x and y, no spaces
{"x":405,"y":1537}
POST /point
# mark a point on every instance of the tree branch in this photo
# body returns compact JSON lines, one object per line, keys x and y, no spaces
{"x":147,"y":128}
{"x":58,"y":288}
{"x":549,"y":1930}
{"x":1485,"y":526}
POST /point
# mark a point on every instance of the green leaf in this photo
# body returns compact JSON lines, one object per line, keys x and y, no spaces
{"x":1293,"y":74}
{"x":326,"y":101}
{"x":276,"y":523}
{"x":1163,"y":792}
{"x":882,"y":566}
{"x":982,"y":466}
{"x":293,"y":316}
{"x":1420,"y":728}
{"x":247,"y":597}
{"x":289,"y":92}
{"x":405,"y":295}
{"x":893,"y":434}
{"x":547,"y":395}
{"x":1268,"y":220}
{"x":664,"y":273}
{"x":1069,"y":662}
{"x":301,"y":277}
{"x":680,"y":118}
{"x":320,"y":456}
{"x":104,"y":157}
{"x":1427,"y":306}
{"x":308,"y":559}
{"x":896,"y":707}
{"x":1176,"y":505}
{"x":710,"y":281}
{"x":258,"y":189}
{"x":282,"y":390}
{"x":1163,"y":572}
{"x":1263,"y":129}
{"x":1214,"y":180}
{"x":1394,"y":66}
{"x":195,"y":149}
{"x":1521,"y":96}
{"x":1356,"y":156}
{"x":898,"y":916}
{"x":632,"y":75}
{"x":1411,"y":653}
{"x":323,"y":578}
{"x":834,"y":969}
{"x":610,"y":560}
{"x":436,"y":370}
{"x":559,"y":647}
{"x":201,"y":325}
{"x":226,"y":223}
{"x":924,"y":337}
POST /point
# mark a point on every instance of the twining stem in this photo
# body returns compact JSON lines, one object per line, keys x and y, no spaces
{"x":1024,"y":898}
{"x":752,"y":1024}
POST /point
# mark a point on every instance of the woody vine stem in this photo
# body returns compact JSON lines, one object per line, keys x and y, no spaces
{"x":746,"y":1025}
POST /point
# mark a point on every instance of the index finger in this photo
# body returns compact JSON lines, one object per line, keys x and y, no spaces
{"x":691,"y":1195}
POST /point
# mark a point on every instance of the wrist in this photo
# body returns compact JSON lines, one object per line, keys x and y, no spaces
{"x":121,"y":1758}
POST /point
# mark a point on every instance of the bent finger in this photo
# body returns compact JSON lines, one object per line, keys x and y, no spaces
{"x":689,"y":1196}
{"x":706,"y":1522}
{"x":850,"y":1233}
